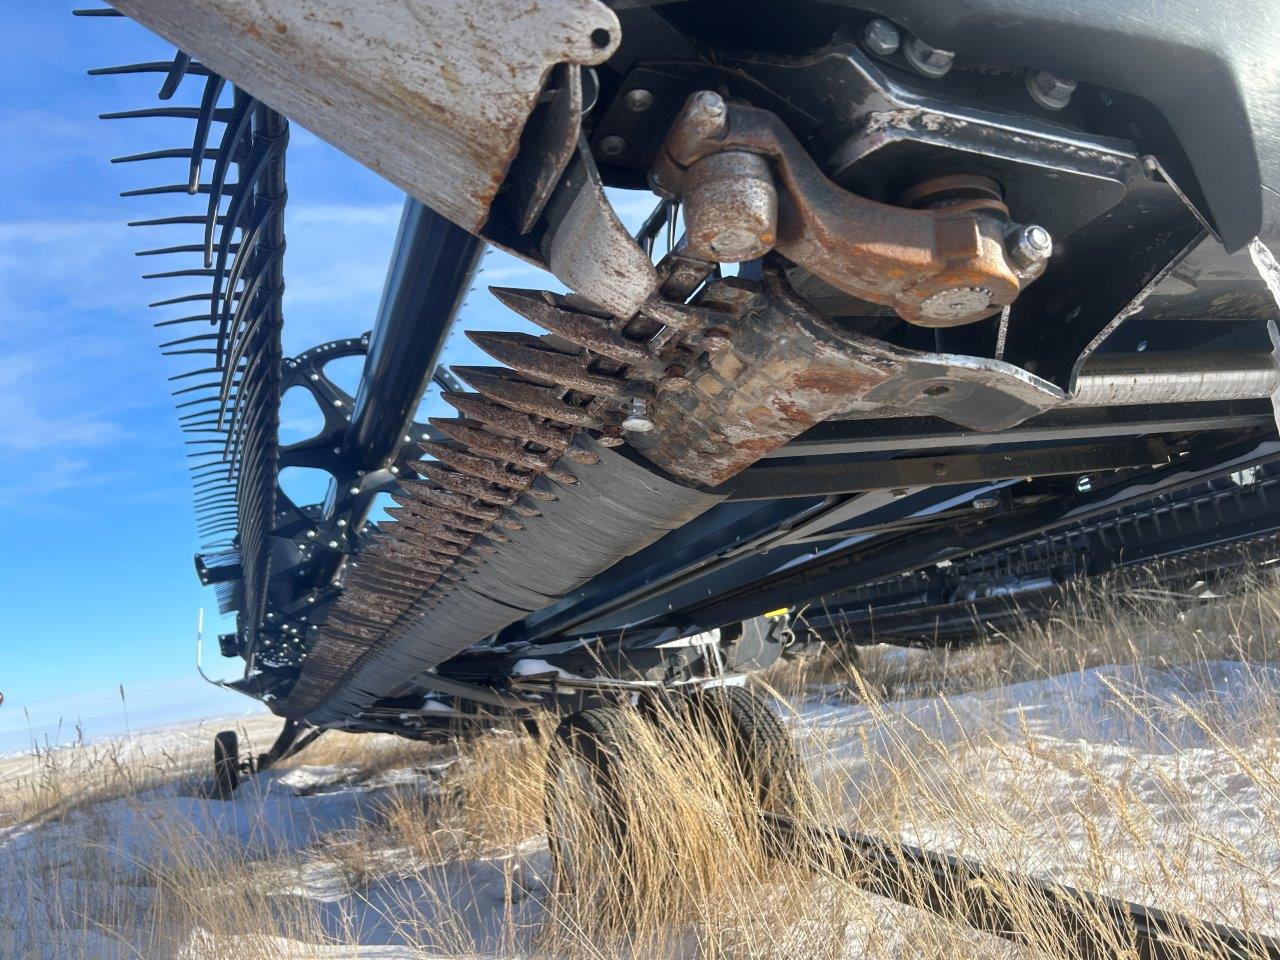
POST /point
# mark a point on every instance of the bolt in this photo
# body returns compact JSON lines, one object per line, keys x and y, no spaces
{"x":704,"y":115}
{"x":898,"y":494}
{"x":881,"y":38}
{"x":637,"y":416}
{"x":936,"y":390}
{"x":1030,"y":246}
{"x":637,"y":100}
{"x":612,"y":146}
{"x":1084,"y":484}
{"x":926,"y":60}
{"x":730,"y":207}
{"x":1048,"y":89}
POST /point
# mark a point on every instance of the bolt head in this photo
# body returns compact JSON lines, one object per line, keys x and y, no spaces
{"x":926,"y":60}
{"x":1030,"y":246}
{"x":637,"y":100}
{"x":705,"y":113}
{"x":637,"y":417}
{"x":1048,"y":89}
{"x":611,"y":146}
{"x":881,"y":38}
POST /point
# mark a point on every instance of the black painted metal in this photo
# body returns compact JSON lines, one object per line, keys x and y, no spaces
{"x":233,"y":404}
{"x":884,"y":557}
{"x":1216,"y":526}
{"x":812,"y":477}
{"x":433,"y":266}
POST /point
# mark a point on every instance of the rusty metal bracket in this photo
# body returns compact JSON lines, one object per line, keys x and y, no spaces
{"x":778,"y":368}
{"x":432,"y":96}
{"x":748,"y":186}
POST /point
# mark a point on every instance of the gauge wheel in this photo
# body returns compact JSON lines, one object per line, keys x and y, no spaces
{"x":756,"y":741}
{"x":586,"y":808}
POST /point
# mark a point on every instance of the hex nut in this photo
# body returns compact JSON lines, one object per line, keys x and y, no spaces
{"x":881,"y":37}
{"x":926,"y":60}
{"x":1029,"y":246}
{"x":1048,"y":89}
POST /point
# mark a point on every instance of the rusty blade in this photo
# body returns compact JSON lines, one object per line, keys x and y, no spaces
{"x":402,"y":539}
{"x":503,"y":386}
{"x":594,"y":333}
{"x":449,"y":500}
{"x":479,"y":467}
{"x":451,"y":517}
{"x":482,"y":441}
{"x":467,"y":486}
{"x":533,"y":357}
{"x":505,"y":419}
{"x":413,"y":521}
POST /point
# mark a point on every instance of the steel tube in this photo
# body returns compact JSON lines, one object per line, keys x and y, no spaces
{"x":432,"y":267}
{"x":1140,"y":378}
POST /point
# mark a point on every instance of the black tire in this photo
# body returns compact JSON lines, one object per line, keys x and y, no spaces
{"x":226,"y":764}
{"x":757,"y":741}
{"x":589,"y":745}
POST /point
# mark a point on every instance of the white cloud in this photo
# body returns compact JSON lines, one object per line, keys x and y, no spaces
{"x":27,"y":426}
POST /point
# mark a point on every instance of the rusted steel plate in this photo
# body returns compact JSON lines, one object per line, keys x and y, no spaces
{"x":431,"y":94}
{"x":783,"y":368}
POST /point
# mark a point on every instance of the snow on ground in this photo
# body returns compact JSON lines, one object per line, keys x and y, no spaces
{"x":1046,"y":749}
{"x":1126,"y":760}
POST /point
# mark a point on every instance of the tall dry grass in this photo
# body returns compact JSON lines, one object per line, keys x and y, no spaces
{"x":448,"y":856}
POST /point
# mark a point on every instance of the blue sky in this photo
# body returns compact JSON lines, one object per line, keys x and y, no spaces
{"x":96,"y":578}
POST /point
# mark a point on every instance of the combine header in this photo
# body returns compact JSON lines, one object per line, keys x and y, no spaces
{"x":925,"y":285}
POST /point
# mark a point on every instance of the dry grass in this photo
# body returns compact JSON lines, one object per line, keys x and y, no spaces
{"x":448,"y":857}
